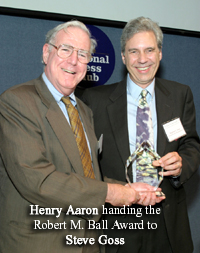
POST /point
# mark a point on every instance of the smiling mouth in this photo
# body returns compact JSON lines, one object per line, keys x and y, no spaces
{"x":144,"y":68}
{"x":68,"y":71}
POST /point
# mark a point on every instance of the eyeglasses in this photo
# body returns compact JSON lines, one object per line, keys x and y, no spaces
{"x":64,"y":51}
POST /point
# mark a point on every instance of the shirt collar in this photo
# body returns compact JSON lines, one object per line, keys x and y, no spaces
{"x":135,"y":90}
{"x":56,"y":94}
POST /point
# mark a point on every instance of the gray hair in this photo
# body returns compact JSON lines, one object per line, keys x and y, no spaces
{"x":51,"y":35}
{"x":138,"y":25}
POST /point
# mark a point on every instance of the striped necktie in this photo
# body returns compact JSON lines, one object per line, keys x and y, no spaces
{"x":79,"y":134}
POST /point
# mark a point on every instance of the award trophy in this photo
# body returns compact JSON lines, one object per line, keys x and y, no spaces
{"x":144,"y":156}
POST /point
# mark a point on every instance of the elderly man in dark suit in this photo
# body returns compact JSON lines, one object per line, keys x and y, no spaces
{"x":50,"y":183}
{"x":115,"y":108}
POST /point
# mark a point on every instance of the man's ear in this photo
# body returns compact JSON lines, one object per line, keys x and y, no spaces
{"x":45,"y":55}
{"x":160,"y":54}
{"x":123,"y":58}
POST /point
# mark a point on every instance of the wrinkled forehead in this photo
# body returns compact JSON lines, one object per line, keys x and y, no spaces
{"x":74,"y":36}
{"x":142,"y":40}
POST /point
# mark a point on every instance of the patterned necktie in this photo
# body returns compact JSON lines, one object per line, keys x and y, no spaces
{"x":145,"y":172}
{"x":144,"y":121}
{"x":79,"y":134}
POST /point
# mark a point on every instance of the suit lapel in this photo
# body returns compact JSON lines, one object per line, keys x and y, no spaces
{"x":57,"y":120}
{"x":164,"y":109}
{"x":117,"y":112}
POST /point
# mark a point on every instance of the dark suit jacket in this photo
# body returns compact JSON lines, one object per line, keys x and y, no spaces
{"x":109,"y":106}
{"x":40,"y":165}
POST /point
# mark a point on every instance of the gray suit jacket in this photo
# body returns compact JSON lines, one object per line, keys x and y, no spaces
{"x":40,"y":165}
{"x":109,"y":106}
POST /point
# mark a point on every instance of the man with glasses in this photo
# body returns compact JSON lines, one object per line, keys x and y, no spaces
{"x":49,"y":176}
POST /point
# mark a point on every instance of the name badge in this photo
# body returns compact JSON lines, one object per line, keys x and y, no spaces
{"x":174,"y":129}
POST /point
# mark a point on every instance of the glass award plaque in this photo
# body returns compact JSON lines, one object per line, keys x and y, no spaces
{"x":144,"y":171}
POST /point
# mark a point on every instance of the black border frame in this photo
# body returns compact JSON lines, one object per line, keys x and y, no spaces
{"x":89,"y":21}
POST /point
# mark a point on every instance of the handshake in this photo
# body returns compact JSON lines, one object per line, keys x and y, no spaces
{"x":135,"y":193}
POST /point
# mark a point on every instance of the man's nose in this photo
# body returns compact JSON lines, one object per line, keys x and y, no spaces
{"x":73,"y":58}
{"x":142,"y":57}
